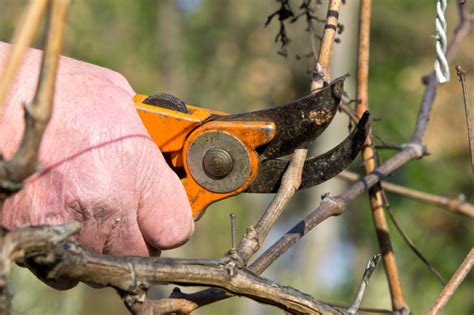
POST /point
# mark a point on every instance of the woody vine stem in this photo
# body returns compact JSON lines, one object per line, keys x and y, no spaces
{"x":231,"y":275}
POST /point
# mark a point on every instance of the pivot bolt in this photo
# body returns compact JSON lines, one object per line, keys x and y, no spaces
{"x":217,"y":163}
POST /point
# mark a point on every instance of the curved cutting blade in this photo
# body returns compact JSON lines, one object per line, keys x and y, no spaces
{"x":297,"y":123}
{"x":317,"y":169}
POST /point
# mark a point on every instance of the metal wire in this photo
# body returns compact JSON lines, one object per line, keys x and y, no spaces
{"x":441,"y":66}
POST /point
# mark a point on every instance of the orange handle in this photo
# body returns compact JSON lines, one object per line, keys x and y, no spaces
{"x":174,"y":132}
{"x":251,"y":135}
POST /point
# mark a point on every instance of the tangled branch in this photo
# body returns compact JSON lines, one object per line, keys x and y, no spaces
{"x":49,"y":248}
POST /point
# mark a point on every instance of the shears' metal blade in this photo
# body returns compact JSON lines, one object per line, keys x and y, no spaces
{"x":317,"y":169}
{"x":297,"y":123}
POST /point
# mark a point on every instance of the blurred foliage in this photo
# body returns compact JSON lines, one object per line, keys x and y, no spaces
{"x":217,"y":54}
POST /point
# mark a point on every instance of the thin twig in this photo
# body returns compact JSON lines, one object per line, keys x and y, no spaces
{"x":23,"y":163}
{"x":232,"y":231}
{"x":371,"y":265}
{"x":385,"y":145}
{"x":375,"y":193}
{"x":330,"y":206}
{"x":283,"y":13}
{"x":291,"y":180}
{"x":388,"y":146}
{"x":38,"y":113}
{"x":456,"y":205}
{"x":310,"y":29}
{"x":327,"y":43}
{"x":470,"y":136}
{"x":345,"y":109}
{"x":453,"y":284}
{"x":21,"y":40}
{"x":410,"y":242}
{"x":333,"y":206}
{"x":364,"y":309}
{"x":464,"y":27}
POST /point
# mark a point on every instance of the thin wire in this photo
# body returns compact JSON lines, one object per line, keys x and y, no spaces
{"x":441,"y":66}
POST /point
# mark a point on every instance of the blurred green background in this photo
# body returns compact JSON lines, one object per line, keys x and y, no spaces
{"x":217,"y":54}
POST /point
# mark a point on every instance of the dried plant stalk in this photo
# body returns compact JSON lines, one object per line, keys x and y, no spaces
{"x":368,"y":152}
{"x":453,"y":284}
{"x":21,"y":40}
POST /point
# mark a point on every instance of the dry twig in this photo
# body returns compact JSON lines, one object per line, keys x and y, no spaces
{"x":453,"y":284}
{"x":375,"y":193}
{"x":470,"y":135}
{"x":292,"y":177}
{"x":132,"y":275}
{"x":344,"y":108}
{"x":38,"y":113}
{"x":372,"y":264}
{"x":333,"y":206}
{"x":464,"y":27}
{"x":410,"y":242}
{"x":456,"y":204}
{"x":21,"y":41}
{"x":291,"y":180}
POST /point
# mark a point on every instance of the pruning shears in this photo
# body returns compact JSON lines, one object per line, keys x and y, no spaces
{"x":218,"y":155}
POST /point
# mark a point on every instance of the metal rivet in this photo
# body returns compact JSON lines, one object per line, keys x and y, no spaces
{"x":217,"y":163}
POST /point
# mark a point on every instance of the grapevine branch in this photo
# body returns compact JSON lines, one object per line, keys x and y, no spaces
{"x":457,"y":204}
{"x":38,"y":113}
{"x":333,"y":206}
{"x":46,"y":246}
{"x":291,"y":180}
{"x":228,"y":276}
{"x":21,"y":41}
{"x":375,"y":192}
{"x":470,"y":134}
{"x":453,"y":284}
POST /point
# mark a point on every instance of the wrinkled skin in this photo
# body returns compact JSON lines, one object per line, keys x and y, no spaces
{"x":99,"y":165}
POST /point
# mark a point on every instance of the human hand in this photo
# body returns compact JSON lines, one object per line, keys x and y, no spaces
{"x":100,"y":167}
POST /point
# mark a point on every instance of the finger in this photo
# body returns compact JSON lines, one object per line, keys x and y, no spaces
{"x":165,"y":216}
